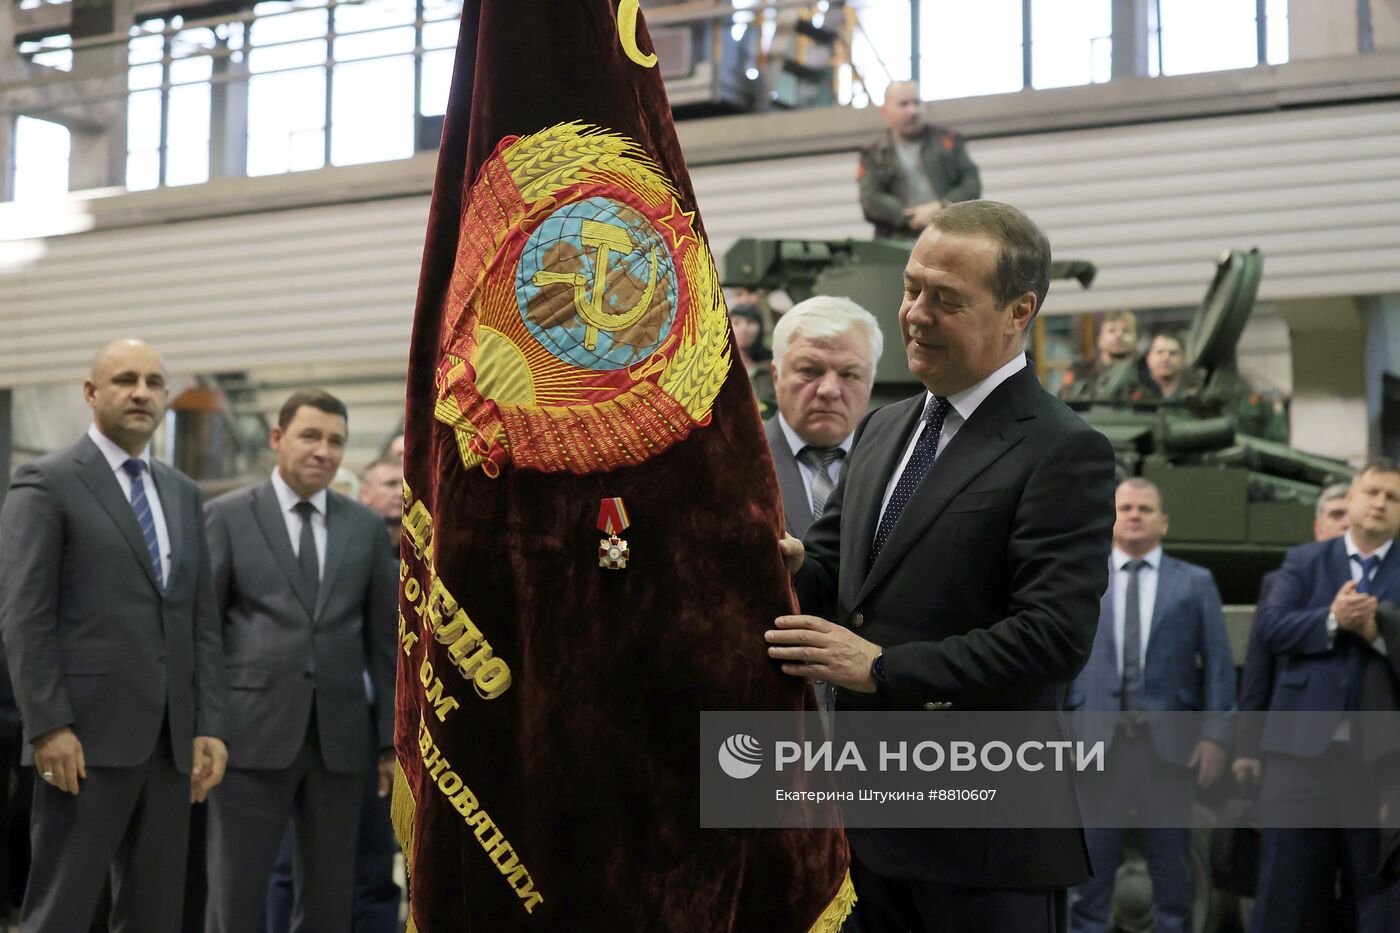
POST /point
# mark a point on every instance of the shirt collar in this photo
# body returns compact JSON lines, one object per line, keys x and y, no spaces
{"x":796,"y":443}
{"x":1153,"y":558}
{"x":1378,"y":553}
{"x":287,"y":497}
{"x":113,"y":454}
{"x":968,"y":400}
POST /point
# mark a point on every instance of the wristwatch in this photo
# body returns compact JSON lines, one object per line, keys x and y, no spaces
{"x":877,"y":671}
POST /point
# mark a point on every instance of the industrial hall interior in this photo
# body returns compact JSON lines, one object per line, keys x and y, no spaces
{"x":212,"y":246}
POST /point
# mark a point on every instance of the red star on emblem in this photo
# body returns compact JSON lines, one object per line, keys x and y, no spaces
{"x":680,"y":224}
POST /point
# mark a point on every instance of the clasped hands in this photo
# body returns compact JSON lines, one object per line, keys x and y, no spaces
{"x":816,"y":649}
{"x":1356,"y":612}
{"x":921,"y":215}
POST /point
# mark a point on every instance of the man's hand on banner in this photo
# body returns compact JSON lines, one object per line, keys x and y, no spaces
{"x":792,"y":552}
{"x":818,"y":650}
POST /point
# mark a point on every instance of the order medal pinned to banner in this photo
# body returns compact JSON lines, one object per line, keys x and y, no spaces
{"x":587,"y":330}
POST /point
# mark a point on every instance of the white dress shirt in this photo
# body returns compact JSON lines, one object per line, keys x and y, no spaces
{"x":1353,"y":551}
{"x":796,"y":443}
{"x":288,"y":499}
{"x":961,"y":406}
{"x":115,"y":457}
{"x":1148,"y":576}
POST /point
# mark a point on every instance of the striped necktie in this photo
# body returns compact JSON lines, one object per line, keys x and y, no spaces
{"x":1368,"y":569}
{"x":141,"y":506}
{"x":1131,"y":697}
{"x":820,"y":460}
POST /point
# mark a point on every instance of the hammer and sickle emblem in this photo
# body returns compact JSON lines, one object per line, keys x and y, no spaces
{"x":606,"y":239}
{"x":627,"y":34}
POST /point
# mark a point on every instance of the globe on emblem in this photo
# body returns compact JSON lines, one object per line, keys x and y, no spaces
{"x":596,"y":285}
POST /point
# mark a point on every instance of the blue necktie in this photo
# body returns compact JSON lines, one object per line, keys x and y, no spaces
{"x":925,"y":449}
{"x":141,"y":506}
{"x":1368,"y":567}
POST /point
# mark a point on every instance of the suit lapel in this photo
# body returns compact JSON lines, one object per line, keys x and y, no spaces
{"x":171,"y":508}
{"x":797,"y":510}
{"x":268,"y":513}
{"x":1338,"y":564}
{"x":861,"y":502}
{"x":335,"y":549}
{"x":1168,"y":581}
{"x":1106,"y":643}
{"x":989,"y":434}
{"x":96,"y":474}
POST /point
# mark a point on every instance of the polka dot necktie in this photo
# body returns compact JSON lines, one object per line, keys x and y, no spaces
{"x":925,"y":449}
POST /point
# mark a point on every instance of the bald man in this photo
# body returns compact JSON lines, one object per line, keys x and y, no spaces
{"x":114,"y":646}
{"x":913,"y":171}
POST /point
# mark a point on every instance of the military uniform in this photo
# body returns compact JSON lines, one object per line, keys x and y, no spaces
{"x":1091,"y":381}
{"x":884,"y":189}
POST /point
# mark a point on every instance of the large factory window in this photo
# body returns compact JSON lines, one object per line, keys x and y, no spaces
{"x":167,"y":109}
{"x":970,"y":49}
{"x":1071,"y":42}
{"x":1193,"y":36}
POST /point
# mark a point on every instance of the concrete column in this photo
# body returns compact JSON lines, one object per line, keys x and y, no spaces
{"x":1382,"y":317}
{"x":1130,"y":38}
{"x":1385,"y":24}
{"x":1324,"y":28}
{"x":228,"y":118}
{"x":99,"y":143}
{"x":1329,"y":409}
{"x":9,"y":65}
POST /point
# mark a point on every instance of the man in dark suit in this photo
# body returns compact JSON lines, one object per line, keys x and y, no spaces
{"x":1161,"y":646}
{"x":962,"y":559}
{"x":1257,"y":680}
{"x":114,"y":648}
{"x":307,"y":590}
{"x":1319,"y":623}
{"x":824,"y":355}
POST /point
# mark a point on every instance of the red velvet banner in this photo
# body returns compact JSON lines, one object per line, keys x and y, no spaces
{"x":571,"y":347}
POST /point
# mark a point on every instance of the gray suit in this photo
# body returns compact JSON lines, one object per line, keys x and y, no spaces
{"x":94,"y":643}
{"x":797,"y":504}
{"x":299,"y":731}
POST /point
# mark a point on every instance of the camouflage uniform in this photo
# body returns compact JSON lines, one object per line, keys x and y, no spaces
{"x":1091,"y":381}
{"x":884,"y":192}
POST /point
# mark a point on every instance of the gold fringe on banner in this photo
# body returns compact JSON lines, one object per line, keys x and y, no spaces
{"x":838,"y":910}
{"x":401,"y":810}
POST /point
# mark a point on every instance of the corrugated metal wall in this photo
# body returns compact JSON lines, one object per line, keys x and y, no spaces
{"x":1317,"y":189}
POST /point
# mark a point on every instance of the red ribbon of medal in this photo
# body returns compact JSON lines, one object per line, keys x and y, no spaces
{"x":612,"y":517}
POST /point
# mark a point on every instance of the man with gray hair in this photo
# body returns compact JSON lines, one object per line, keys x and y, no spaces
{"x":824,"y":355}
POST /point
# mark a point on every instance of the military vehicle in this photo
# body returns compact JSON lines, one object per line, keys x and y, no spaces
{"x":1237,"y":502}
